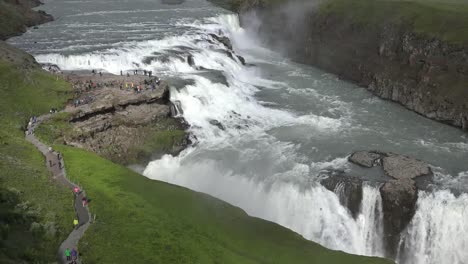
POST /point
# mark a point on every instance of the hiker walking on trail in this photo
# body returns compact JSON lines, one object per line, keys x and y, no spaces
{"x":75,"y":223}
{"x":60,"y":164}
{"x":76,"y":190}
{"x":50,"y":163}
{"x":59,"y":157}
{"x":84,"y":201}
{"x":74,"y":254}
{"x":68,"y":254}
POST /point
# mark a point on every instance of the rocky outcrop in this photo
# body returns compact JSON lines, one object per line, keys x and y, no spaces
{"x":365,"y":158}
{"x":16,"y":16}
{"x":222,"y":39}
{"x":347,"y":188}
{"x":399,"y":194}
{"x":123,"y":125}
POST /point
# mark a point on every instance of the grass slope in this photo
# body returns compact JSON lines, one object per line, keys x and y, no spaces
{"x":36,"y":214}
{"x":144,"y":221}
{"x":446,"y":20}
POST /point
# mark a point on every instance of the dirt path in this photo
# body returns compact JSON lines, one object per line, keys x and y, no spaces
{"x":57,"y":168}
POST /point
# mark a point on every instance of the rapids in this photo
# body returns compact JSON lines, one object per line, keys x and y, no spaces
{"x":284,"y":123}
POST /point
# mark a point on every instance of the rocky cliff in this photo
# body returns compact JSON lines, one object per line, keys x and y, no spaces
{"x":408,"y":52}
{"x":16,"y":16}
{"x":125,"y":125}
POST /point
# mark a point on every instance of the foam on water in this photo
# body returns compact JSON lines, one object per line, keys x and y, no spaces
{"x":438,"y":233}
{"x":242,"y":163}
{"x":314,"y":212}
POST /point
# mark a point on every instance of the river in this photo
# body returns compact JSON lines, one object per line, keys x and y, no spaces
{"x":283,"y":123}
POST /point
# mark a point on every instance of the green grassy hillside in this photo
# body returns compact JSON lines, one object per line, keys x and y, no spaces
{"x":138,"y":220}
{"x":446,"y":20}
{"x":36,"y":215}
{"x":144,"y":221}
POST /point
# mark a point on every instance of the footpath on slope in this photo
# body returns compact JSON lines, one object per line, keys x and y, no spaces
{"x":59,"y":174}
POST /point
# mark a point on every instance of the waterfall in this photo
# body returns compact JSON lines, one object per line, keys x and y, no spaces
{"x":438,"y":232}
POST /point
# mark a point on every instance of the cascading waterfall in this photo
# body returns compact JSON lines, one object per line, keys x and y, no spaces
{"x":370,"y":221}
{"x":247,"y":163}
{"x":438,"y":232}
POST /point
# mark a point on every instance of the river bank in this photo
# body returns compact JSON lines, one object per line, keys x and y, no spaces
{"x":147,"y":221}
{"x":390,"y":48}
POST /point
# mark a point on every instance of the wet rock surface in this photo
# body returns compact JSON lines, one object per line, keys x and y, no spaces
{"x":399,"y":193}
{"x":348,"y":189}
{"x":365,"y":158}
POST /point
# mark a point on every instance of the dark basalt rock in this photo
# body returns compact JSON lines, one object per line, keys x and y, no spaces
{"x":399,"y":199}
{"x":348,"y":189}
{"x":217,"y":124}
{"x":191,"y":60}
{"x":241,"y":59}
{"x":222,"y":39}
{"x":399,"y":196}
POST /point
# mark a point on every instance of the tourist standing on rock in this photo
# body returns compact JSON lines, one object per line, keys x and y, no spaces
{"x":121,"y":73}
{"x":144,"y":72}
{"x":100,"y":73}
{"x":150,"y":73}
{"x":68,"y":254}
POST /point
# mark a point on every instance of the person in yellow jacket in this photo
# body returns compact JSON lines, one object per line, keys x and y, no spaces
{"x":75,"y":223}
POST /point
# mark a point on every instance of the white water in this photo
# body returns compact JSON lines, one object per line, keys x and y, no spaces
{"x":438,"y":233}
{"x":275,"y":187}
{"x":285,"y":123}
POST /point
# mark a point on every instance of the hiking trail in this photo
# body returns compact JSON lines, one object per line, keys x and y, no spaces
{"x":59,"y":174}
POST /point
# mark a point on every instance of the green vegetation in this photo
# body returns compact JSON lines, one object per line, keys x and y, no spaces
{"x":55,"y":129}
{"x":446,"y":20}
{"x":36,"y":214}
{"x":159,"y":139}
{"x":164,"y":136}
{"x":145,"y":221}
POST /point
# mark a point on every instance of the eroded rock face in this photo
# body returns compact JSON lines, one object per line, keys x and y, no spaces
{"x":124,"y":125}
{"x":399,"y":193}
{"x":399,"y":199}
{"x":348,"y":189}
